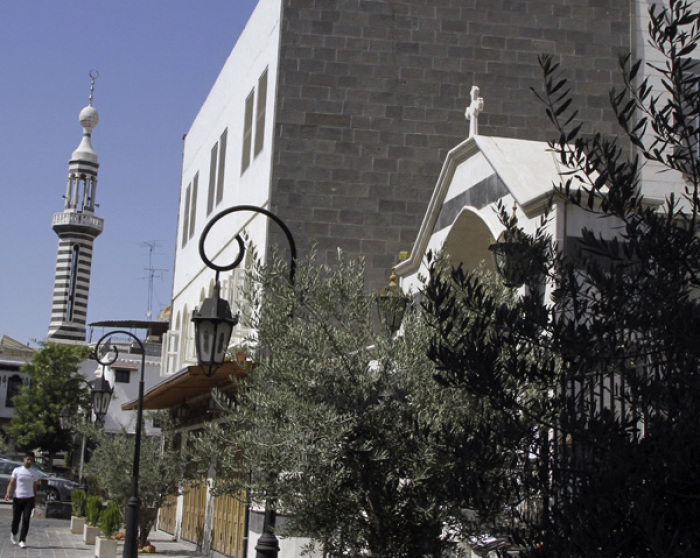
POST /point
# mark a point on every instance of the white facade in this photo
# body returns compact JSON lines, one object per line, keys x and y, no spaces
{"x":234,"y":125}
{"x":124,"y":375}
{"x":458,"y":214}
{"x":203,"y":193}
{"x":477,"y":175}
{"x":655,"y":178}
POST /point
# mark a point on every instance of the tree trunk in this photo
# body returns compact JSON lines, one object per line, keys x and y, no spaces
{"x":147,"y":518}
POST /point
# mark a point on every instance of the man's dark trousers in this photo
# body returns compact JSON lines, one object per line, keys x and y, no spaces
{"x":21,"y":509}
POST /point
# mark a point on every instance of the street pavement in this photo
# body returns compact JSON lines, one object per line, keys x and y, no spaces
{"x":51,"y":538}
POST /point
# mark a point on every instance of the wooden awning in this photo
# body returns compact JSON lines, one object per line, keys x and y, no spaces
{"x":187,"y":384}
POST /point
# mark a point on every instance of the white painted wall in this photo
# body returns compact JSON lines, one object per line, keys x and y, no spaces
{"x":256,"y":49}
{"x":116,"y":419}
{"x":657,"y":182}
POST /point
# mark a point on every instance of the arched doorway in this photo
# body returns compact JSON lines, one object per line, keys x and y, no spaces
{"x":468,"y":241}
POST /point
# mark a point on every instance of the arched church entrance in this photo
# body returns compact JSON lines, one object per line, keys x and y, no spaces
{"x":468,"y":241}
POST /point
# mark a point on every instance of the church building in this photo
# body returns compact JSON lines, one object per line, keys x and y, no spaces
{"x":340,"y":117}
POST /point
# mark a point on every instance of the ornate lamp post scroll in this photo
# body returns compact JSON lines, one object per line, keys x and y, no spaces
{"x":214,"y":324}
{"x":132,"y":509}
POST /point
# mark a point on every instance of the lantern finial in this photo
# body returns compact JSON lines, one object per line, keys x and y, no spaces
{"x":391,"y":304}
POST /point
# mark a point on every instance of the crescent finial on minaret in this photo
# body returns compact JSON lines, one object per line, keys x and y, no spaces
{"x":88,"y":119}
{"x":94,"y":74}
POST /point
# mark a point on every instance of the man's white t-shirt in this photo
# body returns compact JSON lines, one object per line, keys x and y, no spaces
{"x":24,"y":481}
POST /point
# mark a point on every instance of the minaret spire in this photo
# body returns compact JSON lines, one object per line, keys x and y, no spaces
{"x":76,"y":227}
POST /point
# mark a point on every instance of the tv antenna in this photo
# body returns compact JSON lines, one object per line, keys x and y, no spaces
{"x":153,"y":273}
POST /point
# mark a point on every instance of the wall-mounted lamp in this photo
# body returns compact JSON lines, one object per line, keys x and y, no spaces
{"x":213,"y":322}
{"x":513,"y":254}
{"x":391,"y":305}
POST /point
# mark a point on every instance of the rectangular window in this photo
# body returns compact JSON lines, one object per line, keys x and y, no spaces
{"x":247,"y":132}
{"x":171,"y":351}
{"x":73,"y":284}
{"x":260,"y":116}
{"x":212,"y":177}
{"x":222,"y":167}
{"x":186,"y":217}
{"x":122,"y":375}
{"x":193,"y":204}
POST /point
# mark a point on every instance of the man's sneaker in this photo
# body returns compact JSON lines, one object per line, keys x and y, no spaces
{"x":22,"y":544}
{"x":12,"y":538}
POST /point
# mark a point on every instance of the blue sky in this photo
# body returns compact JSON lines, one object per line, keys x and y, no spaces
{"x":157,"y":60}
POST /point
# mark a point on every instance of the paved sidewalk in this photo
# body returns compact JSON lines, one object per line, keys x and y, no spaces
{"x":51,"y":538}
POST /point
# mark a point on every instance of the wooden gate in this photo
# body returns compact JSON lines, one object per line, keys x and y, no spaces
{"x":168,"y":514}
{"x":229,"y":525}
{"x":194,"y":508}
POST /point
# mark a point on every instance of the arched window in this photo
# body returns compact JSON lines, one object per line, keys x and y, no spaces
{"x":14,"y":383}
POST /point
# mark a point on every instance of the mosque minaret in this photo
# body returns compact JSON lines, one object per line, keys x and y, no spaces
{"x":76,"y":227}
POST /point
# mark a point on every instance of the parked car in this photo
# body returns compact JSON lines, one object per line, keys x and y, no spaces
{"x":41,"y":462}
{"x":57,"y":488}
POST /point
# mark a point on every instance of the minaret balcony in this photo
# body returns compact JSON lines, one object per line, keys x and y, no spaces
{"x":77,"y":222}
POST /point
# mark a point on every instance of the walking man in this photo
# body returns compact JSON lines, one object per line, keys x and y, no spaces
{"x":24,"y":480}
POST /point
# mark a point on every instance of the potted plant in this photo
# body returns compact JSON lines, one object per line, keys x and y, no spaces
{"x":93,"y":509}
{"x":78,"y":500}
{"x":110,"y":519}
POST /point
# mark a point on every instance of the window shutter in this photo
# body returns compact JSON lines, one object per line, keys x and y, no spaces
{"x":171,"y":348}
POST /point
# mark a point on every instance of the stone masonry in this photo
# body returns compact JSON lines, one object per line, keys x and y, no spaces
{"x":372,"y":93}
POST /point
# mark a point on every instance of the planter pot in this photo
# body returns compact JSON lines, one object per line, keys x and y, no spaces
{"x":90,"y":534}
{"x":77,"y":525}
{"x":106,"y":548}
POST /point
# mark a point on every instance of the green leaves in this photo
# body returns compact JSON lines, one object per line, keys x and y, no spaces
{"x":580,"y":405}
{"x":338,"y":425}
{"x":35,"y":421}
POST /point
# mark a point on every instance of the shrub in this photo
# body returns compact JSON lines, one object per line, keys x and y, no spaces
{"x":78,"y":499}
{"x":110,"y":519}
{"x":92,"y":510}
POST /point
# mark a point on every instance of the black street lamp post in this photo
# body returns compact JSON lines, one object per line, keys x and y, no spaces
{"x":134,"y":503}
{"x":214,"y":324}
{"x":100,"y":398}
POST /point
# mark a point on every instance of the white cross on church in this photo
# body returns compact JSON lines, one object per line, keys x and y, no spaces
{"x":473,"y":111}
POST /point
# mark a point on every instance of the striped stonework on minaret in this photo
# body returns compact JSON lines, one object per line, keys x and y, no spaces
{"x":76,"y":227}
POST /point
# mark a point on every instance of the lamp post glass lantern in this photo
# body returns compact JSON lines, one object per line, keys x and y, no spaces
{"x":213,"y":325}
{"x":101,"y":396}
{"x":65,"y":418}
{"x":514,"y":256}
{"x":512,"y":261}
{"x":391,"y":305}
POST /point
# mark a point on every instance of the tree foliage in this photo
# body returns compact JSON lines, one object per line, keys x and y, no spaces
{"x":337,"y":424}
{"x":615,"y":342}
{"x":35,"y":422}
{"x":160,"y":474}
